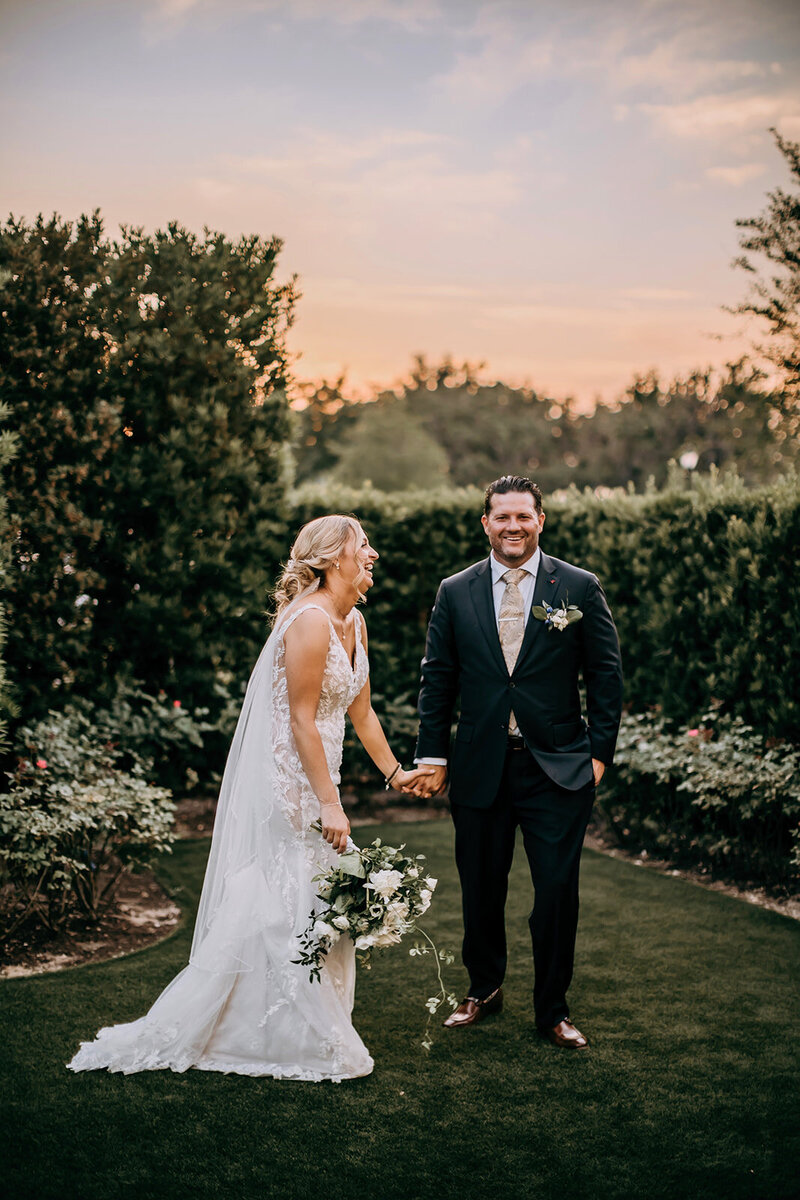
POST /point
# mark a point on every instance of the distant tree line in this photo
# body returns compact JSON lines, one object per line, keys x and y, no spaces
{"x":443,"y":424}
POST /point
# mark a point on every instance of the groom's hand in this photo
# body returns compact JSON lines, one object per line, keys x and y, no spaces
{"x":598,"y":770}
{"x":431,"y":783}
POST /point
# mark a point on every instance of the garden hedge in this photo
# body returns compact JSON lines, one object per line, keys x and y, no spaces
{"x":704,"y":584}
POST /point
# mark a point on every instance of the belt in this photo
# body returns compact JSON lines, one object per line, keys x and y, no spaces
{"x":515,"y":742}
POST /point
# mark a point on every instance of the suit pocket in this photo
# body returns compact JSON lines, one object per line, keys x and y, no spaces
{"x":567,"y":731}
{"x":464,"y":731}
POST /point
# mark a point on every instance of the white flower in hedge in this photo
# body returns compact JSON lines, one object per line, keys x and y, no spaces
{"x":385,"y":883}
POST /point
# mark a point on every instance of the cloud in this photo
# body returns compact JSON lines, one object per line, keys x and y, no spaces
{"x":504,"y":62}
{"x":166,"y":17}
{"x":736,"y":176}
{"x":719,"y":116}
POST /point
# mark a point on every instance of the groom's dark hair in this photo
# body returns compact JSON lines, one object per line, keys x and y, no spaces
{"x":512,"y":483}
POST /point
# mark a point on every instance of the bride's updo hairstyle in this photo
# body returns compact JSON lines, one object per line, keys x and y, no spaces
{"x":316,"y":549}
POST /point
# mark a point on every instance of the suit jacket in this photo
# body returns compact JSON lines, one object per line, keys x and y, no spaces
{"x":464,"y":661}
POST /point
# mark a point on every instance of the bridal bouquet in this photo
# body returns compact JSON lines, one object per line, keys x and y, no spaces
{"x":374,"y":895}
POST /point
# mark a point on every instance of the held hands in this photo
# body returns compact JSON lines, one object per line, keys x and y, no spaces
{"x":335,"y":826}
{"x":426,"y":781}
{"x":410,"y":782}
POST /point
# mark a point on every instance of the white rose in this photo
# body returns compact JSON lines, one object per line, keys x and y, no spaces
{"x":364,"y":942}
{"x":431,"y":883}
{"x":323,"y":932}
{"x":388,"y":937}
{"x":560,"y":621}
{"x":412,"y":873}
{"x":425,"y":896}
{"x":342,"y":923}
{"x":385,"y":883}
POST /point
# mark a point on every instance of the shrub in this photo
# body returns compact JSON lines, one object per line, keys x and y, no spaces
{"x":717,"y":795}
{"x":73,"y":820}
{"x":145,"y":379}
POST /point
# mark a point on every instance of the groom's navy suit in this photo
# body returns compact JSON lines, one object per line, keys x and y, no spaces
{"x":541,"y":781}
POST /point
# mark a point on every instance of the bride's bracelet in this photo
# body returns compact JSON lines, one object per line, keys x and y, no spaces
{"x":389,"y":778}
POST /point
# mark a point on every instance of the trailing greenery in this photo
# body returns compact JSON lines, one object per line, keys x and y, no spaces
{"x":688,"y":1088}
{"x":145,"y":381}
{"x":717,"y":795}
{"x":78,"y":813}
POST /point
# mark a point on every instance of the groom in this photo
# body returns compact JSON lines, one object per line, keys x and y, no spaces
{"x":510,"y":638}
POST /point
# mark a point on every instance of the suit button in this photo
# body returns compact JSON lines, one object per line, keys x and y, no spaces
{"x":512,"y":685}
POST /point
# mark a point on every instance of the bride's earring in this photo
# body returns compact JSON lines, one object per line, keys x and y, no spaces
{"x":336,"y":565}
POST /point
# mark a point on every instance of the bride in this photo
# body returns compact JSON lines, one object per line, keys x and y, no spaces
{"x":241,"y":1004}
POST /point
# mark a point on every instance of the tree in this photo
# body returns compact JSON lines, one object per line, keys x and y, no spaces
{"x":194,"y":331}
{"x":389,"y":447}
{"x":772,"y":240}
{"x":146,"y":382}
{"x":52,"y":367}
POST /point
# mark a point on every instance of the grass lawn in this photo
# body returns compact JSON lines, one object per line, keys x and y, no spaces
{"x":689,"y":1088}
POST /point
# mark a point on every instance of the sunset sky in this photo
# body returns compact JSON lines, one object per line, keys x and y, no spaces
{"x":550,"y":186}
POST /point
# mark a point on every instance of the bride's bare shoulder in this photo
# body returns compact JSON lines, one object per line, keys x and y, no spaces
{"x":309,"y":623}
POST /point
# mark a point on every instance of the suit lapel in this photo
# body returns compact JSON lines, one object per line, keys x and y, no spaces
{"x":546,"y":586}
{"x":481,"y":594}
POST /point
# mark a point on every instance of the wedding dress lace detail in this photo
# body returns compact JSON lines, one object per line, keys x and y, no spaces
{"x":241,"y":1005}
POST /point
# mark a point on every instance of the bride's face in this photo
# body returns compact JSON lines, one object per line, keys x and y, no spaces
{"x":356,"y":562}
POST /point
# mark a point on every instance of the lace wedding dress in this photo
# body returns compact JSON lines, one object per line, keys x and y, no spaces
{"x":241,"y":1005}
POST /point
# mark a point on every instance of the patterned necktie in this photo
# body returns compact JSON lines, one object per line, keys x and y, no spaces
{"x":511,"y":626}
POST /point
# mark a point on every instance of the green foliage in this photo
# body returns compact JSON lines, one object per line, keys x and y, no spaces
{"x":718,"y":795}
{"x":390,"y":448}
{"x":78,"y":812}
{"x":771,"y":246}
{"x":174,"y":741}
{"x":145,"y":379}
{"x":704,"y":585}
{"x":52,"y":364}
{"x":488,"y":429}
{"x":8,"y":446}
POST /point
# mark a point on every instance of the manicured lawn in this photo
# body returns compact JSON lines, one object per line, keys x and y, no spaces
{"x":689,"y":1089}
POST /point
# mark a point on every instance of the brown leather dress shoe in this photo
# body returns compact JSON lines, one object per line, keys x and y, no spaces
{"x":470,"y":1011}
{"x":565,"y":1034}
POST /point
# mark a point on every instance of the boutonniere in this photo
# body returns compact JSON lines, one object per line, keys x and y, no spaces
{"x":557,"y":618}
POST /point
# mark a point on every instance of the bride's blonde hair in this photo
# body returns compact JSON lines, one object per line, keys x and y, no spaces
{"x":315,"y":550}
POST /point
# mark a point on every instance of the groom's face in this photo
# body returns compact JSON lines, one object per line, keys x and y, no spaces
{"x":513,"y":526}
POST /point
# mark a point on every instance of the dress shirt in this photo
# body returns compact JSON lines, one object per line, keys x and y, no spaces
{"x":526,"y":586}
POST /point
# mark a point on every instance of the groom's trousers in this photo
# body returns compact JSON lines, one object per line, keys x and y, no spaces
{"x":553,"y":823}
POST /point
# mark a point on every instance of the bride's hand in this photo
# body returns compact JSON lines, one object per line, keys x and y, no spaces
{"x":408,"y":781}
{"x":335,"y":826}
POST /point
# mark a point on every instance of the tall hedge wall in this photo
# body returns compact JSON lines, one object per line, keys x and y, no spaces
{"x":704,"y":585}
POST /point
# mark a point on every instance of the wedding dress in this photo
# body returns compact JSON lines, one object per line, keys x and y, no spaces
{"x":241,"y":1005}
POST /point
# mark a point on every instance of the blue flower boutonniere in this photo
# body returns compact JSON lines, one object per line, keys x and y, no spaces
{"x":557,"y":618}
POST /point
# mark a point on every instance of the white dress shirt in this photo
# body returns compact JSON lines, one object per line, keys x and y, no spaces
{"x":526,"y":586}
